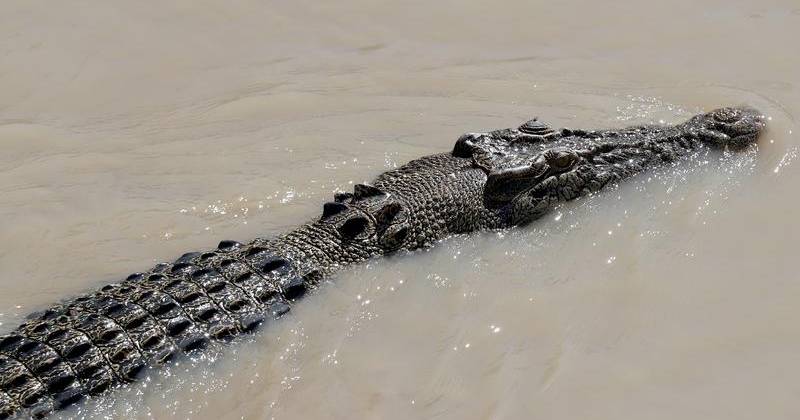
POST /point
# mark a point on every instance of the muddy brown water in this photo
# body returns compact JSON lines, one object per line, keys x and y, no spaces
{"x":132,"y":132}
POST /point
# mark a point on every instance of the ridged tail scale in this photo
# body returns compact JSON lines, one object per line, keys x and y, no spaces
{"x":96,"y":341}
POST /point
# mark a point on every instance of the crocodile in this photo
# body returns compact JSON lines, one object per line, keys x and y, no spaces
{"x":491,"y":180}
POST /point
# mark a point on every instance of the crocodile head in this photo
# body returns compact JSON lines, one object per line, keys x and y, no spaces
{"x":533,"y":167}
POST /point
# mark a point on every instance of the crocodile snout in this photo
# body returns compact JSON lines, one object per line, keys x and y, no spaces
{"x":734,"y":127}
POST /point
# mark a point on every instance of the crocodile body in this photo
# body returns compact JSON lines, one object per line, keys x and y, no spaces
{"x":489,"y":180}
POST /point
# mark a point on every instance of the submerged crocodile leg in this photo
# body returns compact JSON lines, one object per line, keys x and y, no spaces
{"x":490,"y":180}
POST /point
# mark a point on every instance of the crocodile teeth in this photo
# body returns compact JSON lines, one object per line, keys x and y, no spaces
{"x":716,"y":137}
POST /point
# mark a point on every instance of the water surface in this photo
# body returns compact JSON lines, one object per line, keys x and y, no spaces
{"x":132,"y":132}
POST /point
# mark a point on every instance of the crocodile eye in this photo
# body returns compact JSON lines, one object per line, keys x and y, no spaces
{"x":561,"y":160}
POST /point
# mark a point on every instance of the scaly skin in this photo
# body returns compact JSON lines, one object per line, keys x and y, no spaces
{"x":490,"y":180}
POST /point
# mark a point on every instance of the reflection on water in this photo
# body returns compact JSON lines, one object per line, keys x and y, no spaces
{"x":132,"y":133}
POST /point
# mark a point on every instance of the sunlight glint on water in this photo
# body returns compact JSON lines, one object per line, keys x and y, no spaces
{"x":132,"y":133}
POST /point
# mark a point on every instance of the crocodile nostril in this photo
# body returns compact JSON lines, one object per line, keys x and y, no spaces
{"x":727,"y":115}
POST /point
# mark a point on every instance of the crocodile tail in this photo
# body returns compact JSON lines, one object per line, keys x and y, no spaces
{"x":83,"y":347}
